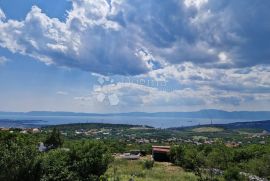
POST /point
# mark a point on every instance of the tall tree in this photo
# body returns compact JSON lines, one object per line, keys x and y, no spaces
{"x":54,"y":140}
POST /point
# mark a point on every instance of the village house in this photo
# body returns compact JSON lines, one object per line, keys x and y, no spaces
{"x":161,"y":153}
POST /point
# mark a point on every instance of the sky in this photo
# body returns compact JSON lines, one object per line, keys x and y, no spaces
{"x":129,"y":55}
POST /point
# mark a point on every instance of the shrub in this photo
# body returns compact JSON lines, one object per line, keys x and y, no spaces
{"x":54,"y":140}
{"x":148,"y":164}
{"x":232,"y":174}
{"x":90,"y":159}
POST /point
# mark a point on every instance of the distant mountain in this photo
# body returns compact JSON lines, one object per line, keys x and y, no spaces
{"x":50,"y":113}
{"x":207,"y":114}
{"x":210,"y":114}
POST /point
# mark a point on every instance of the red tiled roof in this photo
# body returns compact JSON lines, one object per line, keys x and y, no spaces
{"x":162,"y":147}
{"x":161,"y":150}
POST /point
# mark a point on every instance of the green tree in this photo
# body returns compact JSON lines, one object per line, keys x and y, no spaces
{"x":189,"y":158}
{"x":90,"y":160}
{"x":17,"y":157}
{"x":55,"y":166}
{"x":220,"y":157}
{"x":177,"y":155}
{"x":54,"y":140}
{"x":194,"y":160}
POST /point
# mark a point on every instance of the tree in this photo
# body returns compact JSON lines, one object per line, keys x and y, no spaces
{"x":194,"y":160}
{"x":17,"y":156}
{"x":177,"y":155}
{"x":90,"y":160}
{"x":189,"y":158}
{"x":55,"y":165}
{"x":21,"y":160}
{"x":220,"y":157}
{"x":54,"y":140}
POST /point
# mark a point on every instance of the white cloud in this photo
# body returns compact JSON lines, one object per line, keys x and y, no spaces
{"x":64,"y":93}
{"x":236,"y":86}
{"x":131,"y":94}
{"x":195,"y":3}
{"x":104,"y":36}
{"x":87,"y":39}
{"x":3,"y":60}
{"x":142,"y":96}
{"x":202,"y":45}
{"x":87,"y":14}
{"x":2,"y":15}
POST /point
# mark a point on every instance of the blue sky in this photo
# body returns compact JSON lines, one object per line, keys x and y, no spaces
{"x":131,"y":55}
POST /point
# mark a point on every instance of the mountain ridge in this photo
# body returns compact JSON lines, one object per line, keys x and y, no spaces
{"x":205,"y":113}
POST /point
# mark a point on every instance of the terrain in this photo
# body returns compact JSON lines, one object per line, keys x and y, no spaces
{"x":206,"y":113}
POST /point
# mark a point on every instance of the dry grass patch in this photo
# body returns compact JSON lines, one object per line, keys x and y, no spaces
{"x":207,"y":129}
{"x":162,"y":171}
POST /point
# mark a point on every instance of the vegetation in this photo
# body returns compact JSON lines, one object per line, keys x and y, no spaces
{"x":21,"y":160}
{"x":92,"y":153}
{"x":132,"y":169}
{"x":54,"y":139}
{"x":205,"y":159}
{"x":148,"y":164}
{"x":208,"y":129}
{"x":16,"y":161}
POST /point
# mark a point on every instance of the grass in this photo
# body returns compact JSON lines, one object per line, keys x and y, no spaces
{"x":207,"y":129}
{"x":126,"y":169}
{"x":249,"y":131}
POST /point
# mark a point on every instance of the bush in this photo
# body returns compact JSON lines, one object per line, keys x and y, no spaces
{"x":259,"y":166}
{"x":54,"y":165}
{"x":20,"y":159}
{"x":232,"y":174}
{"x":17,"y":157}
{"x":90,"y":160}
{"x":148,"y":164}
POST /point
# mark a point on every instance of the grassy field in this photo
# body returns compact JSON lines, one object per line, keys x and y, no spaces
{"x":161,"y":171}
{"x":207,"y":129}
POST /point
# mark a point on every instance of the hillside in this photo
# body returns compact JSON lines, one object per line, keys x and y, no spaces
{"x":263,"y":125}
{"x":207,"y":114}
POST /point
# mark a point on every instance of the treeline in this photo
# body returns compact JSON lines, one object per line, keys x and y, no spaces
{"x":210,"y":162}
{"x":87,"y":126}
{"x":21,"y":160}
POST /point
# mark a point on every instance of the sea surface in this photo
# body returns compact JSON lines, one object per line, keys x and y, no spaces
{"x":157,"y":122}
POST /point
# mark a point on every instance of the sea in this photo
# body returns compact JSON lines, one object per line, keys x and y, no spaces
{"x":157,"y":122}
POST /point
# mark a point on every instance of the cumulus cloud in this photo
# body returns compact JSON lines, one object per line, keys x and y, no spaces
{"x":217,"y":52}
{"x":136,"y":95}
{"x":86,"y":40}
{"x":233,"y":87}
{"x":207,"y":92}
{"x":240,"y":33}
{"x":135,"y":37}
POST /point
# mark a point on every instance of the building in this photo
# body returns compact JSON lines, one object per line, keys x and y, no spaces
{"x":161,"y":153}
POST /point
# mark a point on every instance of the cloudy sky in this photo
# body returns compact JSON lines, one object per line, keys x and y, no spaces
{"x":134,"y":55}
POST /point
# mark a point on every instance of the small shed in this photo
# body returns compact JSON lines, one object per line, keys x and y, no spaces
{"x":161,"y":153}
